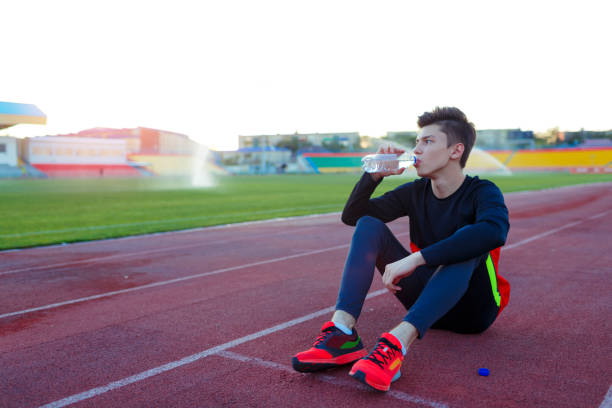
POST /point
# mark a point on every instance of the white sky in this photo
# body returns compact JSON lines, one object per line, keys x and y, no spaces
{"x":217,"y":69}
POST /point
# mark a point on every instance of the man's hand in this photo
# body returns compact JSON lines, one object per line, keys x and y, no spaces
{"x":388,"y":150}
{"x":395,"y":271}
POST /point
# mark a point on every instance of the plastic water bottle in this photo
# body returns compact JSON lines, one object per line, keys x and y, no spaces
{"x":377,"y":163}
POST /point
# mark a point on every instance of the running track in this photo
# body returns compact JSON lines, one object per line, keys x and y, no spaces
{"x":211,"y":317}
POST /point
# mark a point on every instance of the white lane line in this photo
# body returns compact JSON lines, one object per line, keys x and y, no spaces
{"x":402,"y":396}
{"x":553,"y":231}
{"x":542,"y":235}
{"x":607,"y":401}
{"x":256,"y":361}
{"x":194,"y":357}
{"x":95,"y":259}
{"x":214,"y":350}
{"x":599,"y":215}
{"x":168,"y":282}
{"x":148,"y":251}
{"x":104,"y":258}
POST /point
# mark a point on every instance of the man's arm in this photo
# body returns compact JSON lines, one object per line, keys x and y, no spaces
{"x":357,"y":204}
{"x":488,"y":232}
{"x":386,"y":208}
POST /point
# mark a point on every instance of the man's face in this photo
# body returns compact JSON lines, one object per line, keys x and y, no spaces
{"x":431,"y":150}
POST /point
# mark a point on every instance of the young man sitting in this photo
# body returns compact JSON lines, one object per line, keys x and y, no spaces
{"x":448,"y":280}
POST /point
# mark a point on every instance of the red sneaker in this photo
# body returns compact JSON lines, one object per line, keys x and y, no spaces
{"x":382,"y":366}
{"x":332,"y":348}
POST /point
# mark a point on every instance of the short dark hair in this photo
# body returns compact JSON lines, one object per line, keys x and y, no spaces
{"x":455,"y":125}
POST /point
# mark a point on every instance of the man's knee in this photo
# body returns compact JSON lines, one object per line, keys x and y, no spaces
{"x":370,"y":234}
{"x":369,"y":224}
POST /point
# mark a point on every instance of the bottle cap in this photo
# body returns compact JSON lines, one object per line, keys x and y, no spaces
{"x":483,"y":372}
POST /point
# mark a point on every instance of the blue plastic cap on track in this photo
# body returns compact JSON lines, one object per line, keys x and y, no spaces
{"x":483,"y":372}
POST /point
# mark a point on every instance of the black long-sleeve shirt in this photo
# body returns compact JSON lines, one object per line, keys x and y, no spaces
{"x":469,"y":223}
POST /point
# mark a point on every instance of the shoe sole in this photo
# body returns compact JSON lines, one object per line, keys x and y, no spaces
{"x":314,"y":366}
{"x":361,"y":377}
{"x":311,"y":367}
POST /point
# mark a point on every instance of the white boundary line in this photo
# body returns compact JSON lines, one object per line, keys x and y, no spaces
{"x":96,"y":259}
{"x":222,"y":347}
{"x":402,"y":396}
{"x":218,"y":271}
{"x":599,"y":215}
{"x":194,"y":357}
{"x":168,"y":282}
{"x":553,"y":231}
{"x":130,"y":254}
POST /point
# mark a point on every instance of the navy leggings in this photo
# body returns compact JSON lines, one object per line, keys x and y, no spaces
{"x":455,"y":297}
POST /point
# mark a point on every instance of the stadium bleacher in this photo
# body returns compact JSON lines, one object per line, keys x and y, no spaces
{"x":561,"y":158}
{"x":565,"y":159}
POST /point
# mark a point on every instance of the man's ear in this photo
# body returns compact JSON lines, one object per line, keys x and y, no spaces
{"x":457,"y":151}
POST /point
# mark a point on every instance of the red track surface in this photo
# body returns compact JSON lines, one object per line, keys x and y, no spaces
{"x":549,"y":348}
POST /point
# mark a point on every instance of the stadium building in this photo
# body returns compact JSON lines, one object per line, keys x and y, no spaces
{"x":78,"y":157}
{"x":511,"y":139}
{"x":346,"y":139}
{"x":106,"y":152}
{"x":8,"y":151}
{"x":97,"y":152}
{"x":261,"y":160}
{"x":11,"y":149}
{"x":146,"y":151}
{"x":263,"y":154}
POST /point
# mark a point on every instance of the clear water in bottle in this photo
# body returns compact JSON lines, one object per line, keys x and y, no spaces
{"x":376,"y":163}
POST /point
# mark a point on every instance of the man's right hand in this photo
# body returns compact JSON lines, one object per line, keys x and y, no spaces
{"x":388,"y":150}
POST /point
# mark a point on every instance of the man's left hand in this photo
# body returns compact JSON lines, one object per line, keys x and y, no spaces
{"x":395,"y":271}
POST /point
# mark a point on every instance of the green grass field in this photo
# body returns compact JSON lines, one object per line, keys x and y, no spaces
{"x":43,"y":212}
